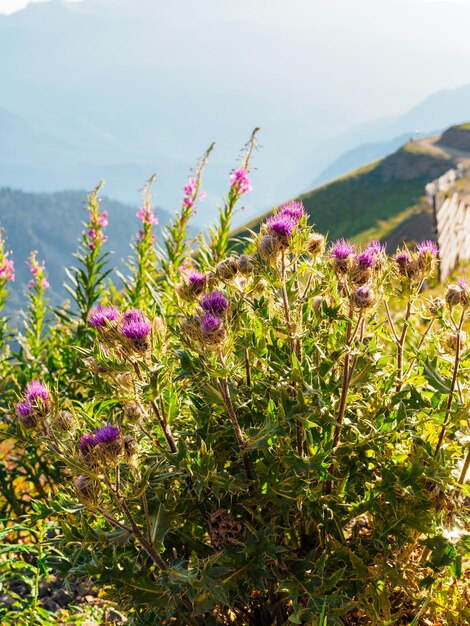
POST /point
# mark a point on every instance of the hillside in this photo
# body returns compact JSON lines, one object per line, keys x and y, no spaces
{"x":51,"y":224}
{"x":385,"y":199}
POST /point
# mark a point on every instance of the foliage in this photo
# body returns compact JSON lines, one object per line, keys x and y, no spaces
{"x":271,"y":439}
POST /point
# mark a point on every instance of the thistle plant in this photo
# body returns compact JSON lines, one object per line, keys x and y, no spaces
{"x":276,"y":435}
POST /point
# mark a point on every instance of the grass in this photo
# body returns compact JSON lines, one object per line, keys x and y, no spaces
{"x":371,"y":201}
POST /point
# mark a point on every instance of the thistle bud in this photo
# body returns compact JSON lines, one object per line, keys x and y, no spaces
{"x":65,"y":422}
{"x":436,"y":306}
{"x":269,"y":247}
{"x":363,"y":297}
{"x":131,"y":447}
{"x":212,"y":329}
{"x":133,"y":412}
{"x":245,"y":264}
{"x":87,"y":489}
{"x":211,"y":280}
{"x":227,"y":269}
{"x":454,"y":339}
{"x":192,"y":329}
{"x":316,"y":244}
{"x":453,"y":295}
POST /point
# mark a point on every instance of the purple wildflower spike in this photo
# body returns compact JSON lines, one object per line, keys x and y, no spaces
{"x":214,"y":302}
{"x":240,"y":182}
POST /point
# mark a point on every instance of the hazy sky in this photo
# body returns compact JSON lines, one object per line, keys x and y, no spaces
{"x":150,"y":83}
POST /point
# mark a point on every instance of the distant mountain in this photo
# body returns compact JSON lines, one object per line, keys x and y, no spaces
{"x":376,"y":139}
{"x":51,"y":224}
{"x":384,"y":199}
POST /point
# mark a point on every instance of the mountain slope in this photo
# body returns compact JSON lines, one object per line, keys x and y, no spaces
{"x":375,"y":201}
{"x":51,"y":224}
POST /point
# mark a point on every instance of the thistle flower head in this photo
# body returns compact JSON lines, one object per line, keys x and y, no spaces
{"x":294,"y":209}
{"x":427,"y":247}
{"x":240,"y":182}
{"x":107,"y":434}
{"x":402,"y":258}
{"x":228,"y":268}
{"x":86,"y":444}
{"x":342,"y":249}
{"x":87,"y":489}
{"x":36,"y":391}
{"x":214,"y":302}
{"x":135,"y":327}
{"x":366,"y":259}
{"x":210,"y":322}
{"x":363,"y":297}
{"x":245,"y":264}
{"x":269,"y":247}
{"x":100,"y":315}
{"x":281,"y":225}
{"x":24,"y":409}
{"x":196,"y":279}
{"x":315,"y":244}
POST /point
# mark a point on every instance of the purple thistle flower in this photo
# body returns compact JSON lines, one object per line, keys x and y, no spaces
{"x":135,"y":325}
{"x":98,"y":316}
{"x":281,"y":225}
{"x":36,"y":391}
{"x":107,"y":434}
{"x":366,"y":258}
{"x":196,"y":279}
{"x":427,"y":246}
{"x":24,"y":408}
{"x":403,"y":258}
{"x":376,"y":246}
{"x":294,"y":210}
{"x":342,"y":249}
{"x":210,"y":322}
{"x":86,"y":443}
{"x":214,"y":302}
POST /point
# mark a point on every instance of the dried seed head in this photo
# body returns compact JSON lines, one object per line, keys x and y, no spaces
{"x":87,"y":489}
{"x":65,"y":422}
{"x":316,"y":244}
{"x":245,"y":264}
{"x":454,"y":339}
{"x":436,"y":306}
{"x":453,"y":295}
{"x":269,"y":247}
{"x":211,"y":280}
{"x":133,"y":412}
{"x":227,"y":269}
{"x":131,"y":447}
{"x":363,"y":297}
{"x":360,"y":275}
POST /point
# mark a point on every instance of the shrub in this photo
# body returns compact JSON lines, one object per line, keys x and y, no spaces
{"x":271,"y":437}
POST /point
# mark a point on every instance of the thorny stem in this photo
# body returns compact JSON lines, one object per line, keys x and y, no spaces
{"x":162,"y":421}
{"x":401,"y":344}
{"x":452,"y":387}
{"x":247,"y":368}
{"x":420,"y":344}
{"x":466,"y":465}
{"x":292,"y":344}
{"x":390,"y":321}
{"x":225,"y":391}
{"x":156,"y":558}
{"x":113,"y":521}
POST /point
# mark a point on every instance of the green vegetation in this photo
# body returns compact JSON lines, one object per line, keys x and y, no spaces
{"x":366,"y":199}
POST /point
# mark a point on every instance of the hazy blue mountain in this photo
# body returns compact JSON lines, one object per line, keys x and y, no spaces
{"x":51,"y":223}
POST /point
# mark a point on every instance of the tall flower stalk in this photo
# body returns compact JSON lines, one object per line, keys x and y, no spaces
{"x":176,"y":233}
{"x":87,"y":279}
{"x":239,"y":186}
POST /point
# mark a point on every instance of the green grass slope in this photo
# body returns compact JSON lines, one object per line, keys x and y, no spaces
{"x":374,"y":200}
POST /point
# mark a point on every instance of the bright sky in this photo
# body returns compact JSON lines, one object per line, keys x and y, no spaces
{"x":11,"y":6}
{"x":8,"y":7}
